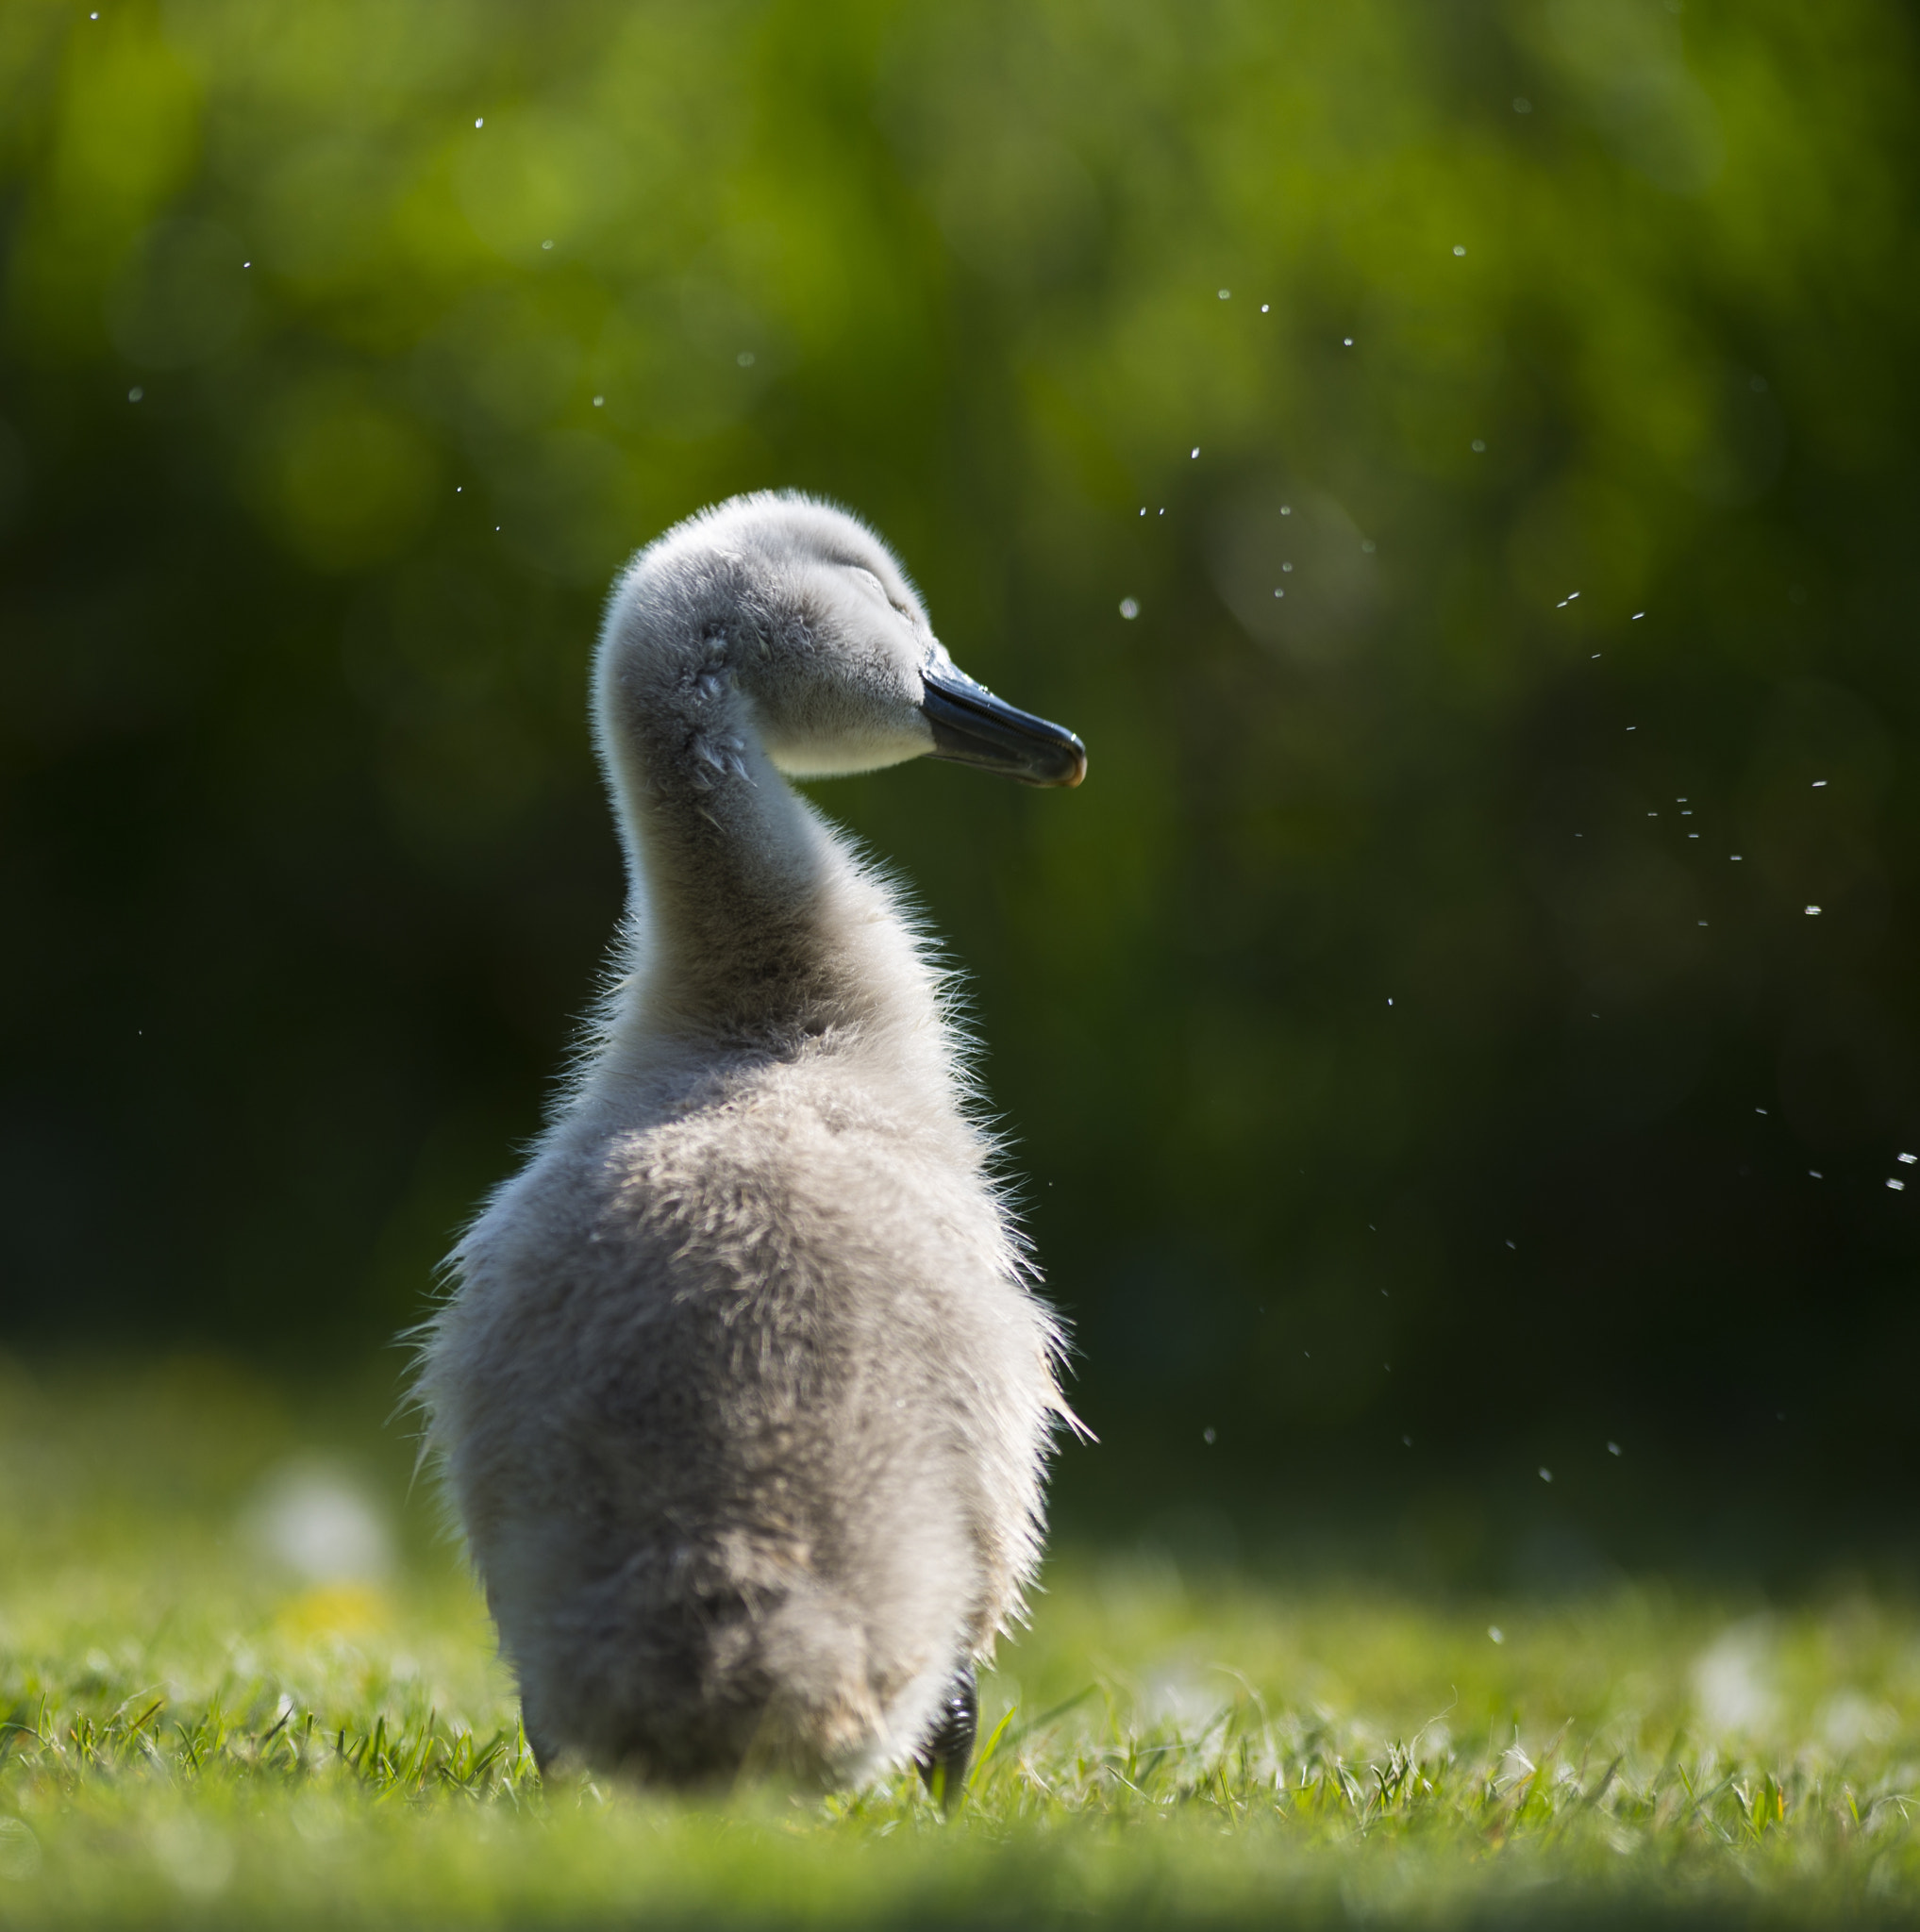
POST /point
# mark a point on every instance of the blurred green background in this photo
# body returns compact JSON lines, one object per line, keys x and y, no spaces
{"x":1417,"y":1096}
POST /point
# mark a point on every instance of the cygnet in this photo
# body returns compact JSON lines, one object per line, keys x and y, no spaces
{"x":743,"y":1394}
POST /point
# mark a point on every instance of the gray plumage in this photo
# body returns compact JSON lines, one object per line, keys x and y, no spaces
{"x":744,"y":1394}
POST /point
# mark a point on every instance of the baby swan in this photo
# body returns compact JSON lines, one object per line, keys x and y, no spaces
{"x":742,"y":1396}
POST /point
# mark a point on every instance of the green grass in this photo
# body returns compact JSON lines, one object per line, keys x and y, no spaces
{"x":199,"y":1736}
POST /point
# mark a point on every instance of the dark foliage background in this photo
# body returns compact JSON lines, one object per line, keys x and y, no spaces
{"x":1416,"y":1090}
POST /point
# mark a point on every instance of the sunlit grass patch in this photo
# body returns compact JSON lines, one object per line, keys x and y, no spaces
{"x":204,"y":1726}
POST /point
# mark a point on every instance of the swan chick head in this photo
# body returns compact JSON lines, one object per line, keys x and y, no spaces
{"x":809,"y":614}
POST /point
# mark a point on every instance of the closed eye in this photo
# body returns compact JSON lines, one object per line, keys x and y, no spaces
{"x":870,"y":581}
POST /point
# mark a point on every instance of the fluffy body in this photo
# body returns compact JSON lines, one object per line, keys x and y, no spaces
{"x":743,"y":1395}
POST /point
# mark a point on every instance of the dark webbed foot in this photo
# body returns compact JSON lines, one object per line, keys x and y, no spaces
{"x":944,"y":1758}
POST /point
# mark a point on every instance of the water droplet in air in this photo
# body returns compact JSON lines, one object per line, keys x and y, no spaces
{"x":1458,"y":249}
{"x":1279,"y":593}
{"x":1813,"y":1173}
{"x":1129,"y":608}
{"x":1366,"y":544}
{"x":1907,"y":1160}
{"x":745,"y":358}
{"x":1346,"y":342}
{"x":1196,"y":449}
{"x":1819,"y":784}
{"x":1899,"y":1187}
{"x":1813,"y":913}
{"x":599,"y":401}
{"x":1286,"y":510}
{"x":1612,"y":1448}
{"x":480,"y":120}
{"x":134,"y":394}
{"x":1226,"y":294}
{"x":1479,"y":447}
{"x":1522,"y":105}
{"x":1637,"y":616}
{"x":1547,"y":1475}
{"x":546,"y":245}
{"x":1263,"y":307}
{"x":1209,"y":1436}
{"x":1498,"y":1634}
{"x":1408,"y":1439}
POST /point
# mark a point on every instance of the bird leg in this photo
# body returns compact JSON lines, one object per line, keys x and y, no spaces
{"x":944,"y":1758}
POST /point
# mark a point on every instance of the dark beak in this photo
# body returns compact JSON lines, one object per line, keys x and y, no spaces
{"x":970,"y":726}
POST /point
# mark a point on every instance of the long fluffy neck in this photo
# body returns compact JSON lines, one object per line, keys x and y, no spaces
{"x":754,"y":926}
